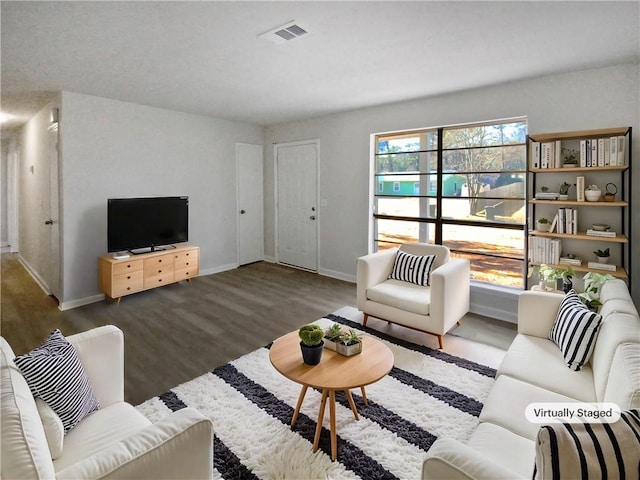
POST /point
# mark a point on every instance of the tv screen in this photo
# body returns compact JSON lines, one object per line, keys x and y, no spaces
{"x":140,"y":223}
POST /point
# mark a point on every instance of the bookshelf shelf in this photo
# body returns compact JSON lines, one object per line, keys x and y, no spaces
{"x":604,"y":157}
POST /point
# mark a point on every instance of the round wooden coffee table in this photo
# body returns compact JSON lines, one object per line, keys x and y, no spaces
{"x":334,"y":372}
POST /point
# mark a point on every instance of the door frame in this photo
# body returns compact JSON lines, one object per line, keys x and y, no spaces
{"x":316,"y":143}
{"x":238,"y":187}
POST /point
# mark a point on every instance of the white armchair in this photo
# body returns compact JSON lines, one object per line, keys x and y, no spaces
{"x":115,"y":441}
{"x":432,"y":309}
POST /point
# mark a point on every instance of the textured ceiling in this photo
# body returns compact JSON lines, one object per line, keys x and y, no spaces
{"x":206,"y":58}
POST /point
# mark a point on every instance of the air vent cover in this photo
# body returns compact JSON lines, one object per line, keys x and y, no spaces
{"x":284,"y":33}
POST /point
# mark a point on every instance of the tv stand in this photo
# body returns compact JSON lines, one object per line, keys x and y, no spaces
{"x":147,"y":270}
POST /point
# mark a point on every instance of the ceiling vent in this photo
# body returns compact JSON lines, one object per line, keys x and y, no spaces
{"x":284,"y":33}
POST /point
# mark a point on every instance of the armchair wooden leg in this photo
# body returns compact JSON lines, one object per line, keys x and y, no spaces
{"x":458,"y":323}
{"x":441,"y":341}
{"x":364,"y":321}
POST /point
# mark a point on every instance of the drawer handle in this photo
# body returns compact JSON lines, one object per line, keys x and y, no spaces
{"x":129,"y":266}
{"x":187,"y":263}
{"x":128,"y":288}
{"x":128,"y":277}
{"x":159,"y":280}
{"x":159,"y":271}
{"x":160,"y":261}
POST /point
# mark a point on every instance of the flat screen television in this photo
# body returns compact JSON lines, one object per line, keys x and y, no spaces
{"x":146,"y":223}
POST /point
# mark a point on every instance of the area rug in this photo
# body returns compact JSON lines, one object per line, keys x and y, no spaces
{"x":427,"y":394}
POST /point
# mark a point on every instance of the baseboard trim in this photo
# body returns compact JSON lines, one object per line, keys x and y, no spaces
{"x":494,"y":302}
{"x":337,"y":275}
{"x":79,"y":302}
{"x":223,"y":268}
{"x":38,"y":279}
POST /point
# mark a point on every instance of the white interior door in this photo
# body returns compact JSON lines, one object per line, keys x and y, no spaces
{"x":297,"y":194}
{"x":250,"y":203}
{"x":51,"y":273}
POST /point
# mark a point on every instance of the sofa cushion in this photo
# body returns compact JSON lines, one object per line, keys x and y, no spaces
{"x":623,"y":386}
{"x":575,"y":330}
{"x":507,"y":403}
{"x":54,"y":374}
{"x":589,"y":450}
{"x":412,"y":268}
{"x":99,"y":430}
{"x":504,"y":447}
{"x":53,"y":428}
{"x":403,"y":295}
{"x":25,"y":453}
{"x":539,"y":361}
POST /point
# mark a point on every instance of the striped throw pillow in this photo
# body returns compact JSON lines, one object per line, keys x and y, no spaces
{"x":589,"y":450}
{"x":575,"y":330}
{"x":412,"y":268}
{"x":55,"y":374}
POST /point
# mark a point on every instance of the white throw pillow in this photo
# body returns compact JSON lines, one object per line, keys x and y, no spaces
{"x":575,"y":330}
{"x":412,"y":268}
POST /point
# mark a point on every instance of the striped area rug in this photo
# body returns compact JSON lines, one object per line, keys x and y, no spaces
{"x":428,"y":393}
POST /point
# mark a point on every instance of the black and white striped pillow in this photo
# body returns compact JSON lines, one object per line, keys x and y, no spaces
{"x":575,"y":330}
{"x":412,"y":268}
{"x":55,"y":374}
{"x":589,"y":450}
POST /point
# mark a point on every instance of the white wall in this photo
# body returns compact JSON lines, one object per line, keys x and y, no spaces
{"x":4,"y":163}
{"x":607,"y":97}
{"x":119,"y":149}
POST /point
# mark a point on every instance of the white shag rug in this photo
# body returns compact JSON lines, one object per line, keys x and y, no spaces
{"x":427,"y":394}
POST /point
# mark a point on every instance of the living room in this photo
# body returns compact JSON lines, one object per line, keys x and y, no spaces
{"x":118,"y":147}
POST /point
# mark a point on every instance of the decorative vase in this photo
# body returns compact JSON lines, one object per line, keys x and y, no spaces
{"x":602,"y":259}
{"x":312,"y":355}
{"x":592,"y":195}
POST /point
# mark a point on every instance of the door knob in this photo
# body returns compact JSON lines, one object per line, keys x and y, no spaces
{"x":242,"y":212}
{"x":48,"y":222}
{"x":312,"y":217}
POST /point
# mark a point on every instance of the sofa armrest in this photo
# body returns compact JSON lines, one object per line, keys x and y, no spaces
{"x":373,"y":269}
{"x":101,"y":351}
{"x":450,"y":291}
{"x":537,"y":312}
{"x":179,"y":446}
{"x":449,"y":459}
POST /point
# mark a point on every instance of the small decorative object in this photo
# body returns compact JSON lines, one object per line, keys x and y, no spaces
{"x":600,"y":227}
{"x":311,"y":343}
{"x":592,"y":193}
{"x":603,"y":255}
{"x":611,"y":190}
{"x":570,"y":157}
{"x":549,"y":277}
{"x":592,"y":284}
{"x":563,"y":193}
{"x":345,"y":343}
{"x":543,"y":225}
{"x":544,"y":188}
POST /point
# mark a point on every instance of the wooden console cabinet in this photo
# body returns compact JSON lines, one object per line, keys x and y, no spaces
{"x":120,"y":277}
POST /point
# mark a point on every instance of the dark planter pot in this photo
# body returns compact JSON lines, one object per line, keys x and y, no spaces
{"x":312,"y":355}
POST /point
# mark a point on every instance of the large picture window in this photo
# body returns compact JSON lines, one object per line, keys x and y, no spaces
{"x":463,"y":187}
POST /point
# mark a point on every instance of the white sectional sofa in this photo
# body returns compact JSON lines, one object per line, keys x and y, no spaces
{"x":534,"y":370}
{"x":115,"y":441}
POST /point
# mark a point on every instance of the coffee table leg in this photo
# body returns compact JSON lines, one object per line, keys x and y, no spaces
{"x":332,"y":412}
{"x":303,"y":392}
{"x":352,"y":404}
{"x":364,"y":396}
{"x":316,"y":439}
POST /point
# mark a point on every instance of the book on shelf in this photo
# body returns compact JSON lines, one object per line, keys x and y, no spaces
{"x":546,"y":195}
{"x":621,"y":147}
{"x":601,"y":152}
{"x":607,"y":152}
{"x":545,"y":250}
{"x":600,"y":233}
{"x":613,"y":151}
{"x":583,"y":152}
{"x":594,"y":152}
{"x":557,"y":154}
{"x":535,"y":154}
{"x":554,"y":223}
{"x":570,"y":261}
{"x":547,"y":155}
{"x":580,"y":189}
{"x":602,"y":266}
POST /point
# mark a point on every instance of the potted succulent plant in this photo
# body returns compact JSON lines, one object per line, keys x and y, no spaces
{"x":346,"y":343}
{"x":311,"y":343}
{"x":602,"y":255}
{"x":563,"y":193}
{"x":543,"y":224}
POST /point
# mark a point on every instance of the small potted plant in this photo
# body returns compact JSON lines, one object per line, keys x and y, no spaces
{"x":345,"y":343}
{"x":592,"y":284}
{"x":602,"y":255}
{"x":543,"y":224}
{"x":570,"y":158}
{"x":563,"y":193}
{"x":311,"y":343}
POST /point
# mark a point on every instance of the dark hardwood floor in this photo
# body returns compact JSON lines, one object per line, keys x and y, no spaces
{"x":177,"y":332}
{"x":180,"y":331}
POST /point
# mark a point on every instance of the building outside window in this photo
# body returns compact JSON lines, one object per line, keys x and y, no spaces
{"x":463,"y":187}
